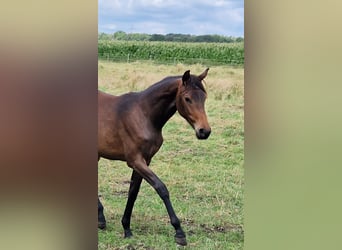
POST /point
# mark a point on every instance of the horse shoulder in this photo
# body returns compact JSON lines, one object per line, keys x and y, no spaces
{"x":142,"y":137}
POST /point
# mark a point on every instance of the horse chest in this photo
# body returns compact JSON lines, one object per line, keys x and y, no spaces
{"x":151,"y":145}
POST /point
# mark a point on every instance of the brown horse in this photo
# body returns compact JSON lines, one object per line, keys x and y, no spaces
{"x":130,"y":129}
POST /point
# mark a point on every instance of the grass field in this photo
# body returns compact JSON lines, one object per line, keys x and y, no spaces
{"x":205,"y":178}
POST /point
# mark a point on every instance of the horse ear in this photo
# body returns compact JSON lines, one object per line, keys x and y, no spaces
{"x":204,"y":74}
{"x":186,"y":77}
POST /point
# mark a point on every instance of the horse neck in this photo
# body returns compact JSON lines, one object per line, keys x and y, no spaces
{"x":160,"y":101}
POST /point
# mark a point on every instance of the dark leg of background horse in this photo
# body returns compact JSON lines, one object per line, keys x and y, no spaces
{"x":132,"y":195}
{"x":101,"y":223}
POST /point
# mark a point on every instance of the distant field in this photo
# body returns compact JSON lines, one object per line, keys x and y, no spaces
{"x":205,"y":178}
{"x":173,"y":52}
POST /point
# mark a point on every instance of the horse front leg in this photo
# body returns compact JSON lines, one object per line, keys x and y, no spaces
{"x":132,"y":196}
{"x":163,"y":193}
{"x":101,"y":221}
{"x":145,"y":172}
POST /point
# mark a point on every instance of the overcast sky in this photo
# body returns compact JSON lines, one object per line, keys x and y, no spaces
{"x":196,"y":17}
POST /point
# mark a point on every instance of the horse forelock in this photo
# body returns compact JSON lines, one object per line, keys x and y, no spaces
{"x":196,"y":83}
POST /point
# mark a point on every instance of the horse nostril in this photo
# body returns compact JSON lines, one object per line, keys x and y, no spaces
{"x":203,"y":133}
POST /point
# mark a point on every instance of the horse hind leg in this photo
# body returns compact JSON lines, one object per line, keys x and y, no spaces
{"x":101,"y":222}
{"x":132,"y":196}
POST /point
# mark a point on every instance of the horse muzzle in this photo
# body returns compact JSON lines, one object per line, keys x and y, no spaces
{"x":203,"y":133}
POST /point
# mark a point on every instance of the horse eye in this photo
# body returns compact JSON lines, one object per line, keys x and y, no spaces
{"x":188,"y":100}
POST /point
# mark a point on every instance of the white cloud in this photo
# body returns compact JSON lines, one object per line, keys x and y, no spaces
{"x":109,"y":26}
{"x":110,"y":4}
{"x":172,"y":16}
{"x":152,"y":27}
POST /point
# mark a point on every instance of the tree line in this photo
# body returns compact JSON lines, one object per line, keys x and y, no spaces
{"x":123,"y":36}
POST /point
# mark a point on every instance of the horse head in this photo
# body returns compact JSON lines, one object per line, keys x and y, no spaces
{"x":190,"y":101}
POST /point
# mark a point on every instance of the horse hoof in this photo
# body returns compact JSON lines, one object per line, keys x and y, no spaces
{"x":181,"y":241}
{"x":128,"y":234}
{"x":101,"y":225}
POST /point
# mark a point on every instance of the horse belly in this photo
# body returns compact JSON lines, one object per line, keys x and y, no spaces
{"x":109,"y":143}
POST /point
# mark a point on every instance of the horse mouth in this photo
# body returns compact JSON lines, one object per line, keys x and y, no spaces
{"x":202,"y":133}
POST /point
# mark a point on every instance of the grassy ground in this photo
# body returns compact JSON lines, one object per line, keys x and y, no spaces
{"x":205,"y":178}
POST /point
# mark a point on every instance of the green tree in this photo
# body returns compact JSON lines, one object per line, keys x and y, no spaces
{"x":157,"y":37}
{"x":119,"y":35}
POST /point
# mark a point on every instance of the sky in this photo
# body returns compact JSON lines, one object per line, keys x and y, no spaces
{"x":195,"y":17}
